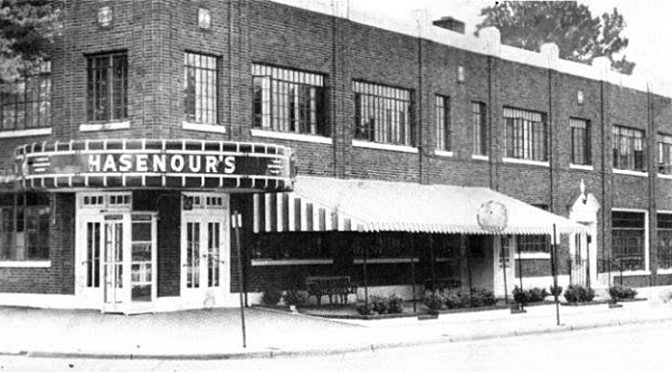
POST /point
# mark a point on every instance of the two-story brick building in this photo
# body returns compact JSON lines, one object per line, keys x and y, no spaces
{"x":420,"y":153}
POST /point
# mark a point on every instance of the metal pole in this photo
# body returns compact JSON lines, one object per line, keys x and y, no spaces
{"x":366,"y":286}
{"x":413,"y":274}
{"x":237,"y":224}
{"x":503,"y":258}
{"x":554,"y":254}
{"x":520,"y":273}
{"x":588,"y":261}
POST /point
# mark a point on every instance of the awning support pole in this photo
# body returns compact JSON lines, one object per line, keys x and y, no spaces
{"x":520,"y":272}
{"x":554,"y":266}
{"x":413,"y":274}
{"x":588,"y":261}
{"x":237,"y":223}
{"x":366,"y":286}
{"x":503,"y":258}
{"x":432,"y":257}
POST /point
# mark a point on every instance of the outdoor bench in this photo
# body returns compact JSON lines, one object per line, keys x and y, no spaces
{"x":331,"y":286}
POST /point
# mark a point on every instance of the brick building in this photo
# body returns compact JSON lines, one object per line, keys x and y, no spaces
{"x":154,"y":120}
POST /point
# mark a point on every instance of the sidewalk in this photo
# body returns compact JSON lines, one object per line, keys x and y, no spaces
{"x":216,"y":333}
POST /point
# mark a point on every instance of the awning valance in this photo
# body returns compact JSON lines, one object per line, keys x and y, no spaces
{"x":327,"y":204}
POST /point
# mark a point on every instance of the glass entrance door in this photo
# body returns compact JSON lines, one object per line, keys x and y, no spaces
{"x":113,"y":263}
{"x":202,"y":241}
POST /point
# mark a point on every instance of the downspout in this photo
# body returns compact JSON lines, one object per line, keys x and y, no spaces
{"x":549,"y":144}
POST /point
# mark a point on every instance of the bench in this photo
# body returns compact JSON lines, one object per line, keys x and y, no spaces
{"x":441,"y":284}
{"x":331,"y":286}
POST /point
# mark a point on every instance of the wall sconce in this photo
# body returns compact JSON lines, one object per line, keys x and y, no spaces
{"x":105,"y":16}
{"x":204,"y":19}
{"x":579,"y":97}
{"x":460,"y":74}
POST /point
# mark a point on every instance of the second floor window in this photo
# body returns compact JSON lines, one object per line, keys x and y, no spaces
{"x":200,"y":88}
{"x":664,"y":154}
{"x":288,"y":100}
{"x":26,"y":103}
{"x":107,"y":87}
{"x":443,"y":123}
{"x":628,"y":147}
{"x":382,"y":114}
{"x":480,"y":126}
{"x":580,"y":133}
{"x":525,"y":134}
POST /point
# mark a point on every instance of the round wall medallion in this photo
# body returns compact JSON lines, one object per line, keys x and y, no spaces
{"x":492,"y":216}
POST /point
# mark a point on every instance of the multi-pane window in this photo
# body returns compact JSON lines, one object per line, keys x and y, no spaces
{"x":628,"y":229}
{"x":289,"y":100}
{"x":628,"y":147}
{"x":26,"y":103}
{"x":664,"y":154}
{"x":525,"y":134}
{"x":24,"y":227}
{"x":200,"y":88}
{"x":580,"y":134}
{"x":443,"y":123}
{"x":480,"y":125}
{"x":534,"y":243}
{"x":665,"y":240}
{"x":107,"y":87}
{"x":382,"y":114}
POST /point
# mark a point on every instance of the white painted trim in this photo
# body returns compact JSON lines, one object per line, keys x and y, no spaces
{"x":443,"y":153}
{"x":384,"y":146}
{"x":480,"y":157}
{"x":527,"y":162}
{"x":664,"y":271}
{"x":386,"y":260}
{"x":665,"y":176}
{"x":93,"y":127}
{"x":290,"y":262}
{"x":664,"y":211}
{"x":533,"y":256}
{"x":39,"y":300}
{"x":25,"y":132}
{"x":616,"y":274}
{"x":203,"y":127}
{"x":27,"y":264}
{"x":581,"y":167}
{"x":630,"y":172}
{"x":289,"y":136}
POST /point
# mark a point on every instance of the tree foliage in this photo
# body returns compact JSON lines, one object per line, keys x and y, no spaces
{"x":579,"y":36}
{"x":27,"y":31}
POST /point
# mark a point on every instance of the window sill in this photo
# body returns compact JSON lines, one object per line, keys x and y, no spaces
{"x":443,"y":153}
{"x":289,"y":136}
{"x":386,"y":260}
{"x":581,"y":167}
{"x":533,"y":256}
{"x":480,"y":157}
{"x":94,"y":127}
{"x":384,"y":146}
{"x":526,"y":162}
{"x":664,"y":271}
{"x":665,"y":177}
{"x":28,"y":264}
{"x":289,"y":262}
{"x":616,"y":273}
{"x":630,"y":173}
{"x":203,"y":127}
{"x":26,"y":132}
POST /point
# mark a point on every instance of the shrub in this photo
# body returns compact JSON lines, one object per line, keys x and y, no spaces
{"x":364,"y":309}
{"x":271,"y":295}
{"x":619,"y":292}
{"x":396,"y":304}
{"x":380,"y":304}
{"x":294,"y":297}
{"x":555,"y":291}
{"x":521,"y":296}
{"x":537,"y":294}
{"x":577,"y":293}
{"x":434,"y":301}
{"x":454,"y":299}
{"x":482,"y":297}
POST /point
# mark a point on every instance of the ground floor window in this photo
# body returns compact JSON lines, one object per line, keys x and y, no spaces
{"x":291,"y":245}
{"x":628,"y":231}
{"x":664,"y":241}
{"x":24,"y":227}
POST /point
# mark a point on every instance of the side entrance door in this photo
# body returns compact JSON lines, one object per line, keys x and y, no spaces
{"x":504,"y":248}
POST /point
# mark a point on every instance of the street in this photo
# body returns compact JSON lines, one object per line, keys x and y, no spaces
{"x":626,"y":348}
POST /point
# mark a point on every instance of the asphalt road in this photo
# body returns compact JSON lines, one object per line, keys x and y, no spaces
{"x":627,"y":348}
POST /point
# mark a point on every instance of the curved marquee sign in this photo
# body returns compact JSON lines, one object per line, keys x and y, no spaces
{"x":183,"y":164}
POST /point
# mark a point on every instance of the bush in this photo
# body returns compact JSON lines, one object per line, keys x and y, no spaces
{"x":482,"y":297}
{"x":577,"y":293}
{"x":294,"y":297}
{"x":455,"y":299}
{"x":380,"y":304}
{"x":396,"y":304}
{"x":619,"y":292}
{"x":434,"y":301}
{"x":364,"y":309}
{"x":537,"y":294}
{"x":271,"y":295}
{"x":555,"y":291}
{"x":521,"y":296}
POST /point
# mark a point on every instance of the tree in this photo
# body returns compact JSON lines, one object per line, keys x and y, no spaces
{"x":571,"y":26}
{"x":27,"y":31}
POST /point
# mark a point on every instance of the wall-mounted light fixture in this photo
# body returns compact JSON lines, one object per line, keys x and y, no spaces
{"x":204,"y":19}
{"x":460,"y":74}
{"x":579,"y":97}
{"x":105,"y":16}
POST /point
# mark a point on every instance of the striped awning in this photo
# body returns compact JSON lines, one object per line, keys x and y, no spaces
{"x":328,"y":204}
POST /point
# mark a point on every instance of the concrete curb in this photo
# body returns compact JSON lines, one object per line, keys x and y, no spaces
{"x":329,"y":350}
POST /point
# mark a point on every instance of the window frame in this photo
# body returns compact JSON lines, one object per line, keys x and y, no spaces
{"x":29,"y":222}
{"x":625,"y":139}
{"x":580,"y":137}
{"x":206,"y":90}
{"x":521,"y":134}
{"x":31,"y":102}
{"x":622,"y":230}
{"x":479,"y":122}
{"x":443,"y":123}
{"x":664,"y":161}
{"x":93,"y":96}
{"x":664,"y":243}
{"x":372,"y":99}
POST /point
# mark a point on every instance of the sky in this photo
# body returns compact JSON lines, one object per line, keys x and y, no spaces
{"x":649,"y":26}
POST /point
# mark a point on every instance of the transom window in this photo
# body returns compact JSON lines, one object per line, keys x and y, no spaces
{"x":26,"y":103}
{"x":580,"y":133}
{"x":664,"y":153}
{"x":24,"y":227}
{"x":525,"y":134}
{"x":289,"y":100}
{"x":200,"y":88}
{"x":107,"y":87}
{"x":480,"y":126}
{"x":106,"y":200}
{"x":382,"y":114}
{"x":443,"y":123}
{"x":628,"y":148}
{"x":665,"y":240}
{"x":628,"y":229}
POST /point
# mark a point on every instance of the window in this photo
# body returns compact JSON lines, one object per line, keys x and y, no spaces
{"x":664,"y":241}
{"x":200,"y":89}
{"x":107,"y":87}
{"x":628,"y":145}
{"x":443,"y":123}
{"x":288,"y":100}
{"x":664,"y":154}
{"x":628,"y":240}
{"x":525,"y":134}
{"x":534,"y":243}
{"x":26,"y":104}
{"x":580,"y":134}
{"x":480,"y":124}
{"x":382,"y":114}
{"x":24,"y":227}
